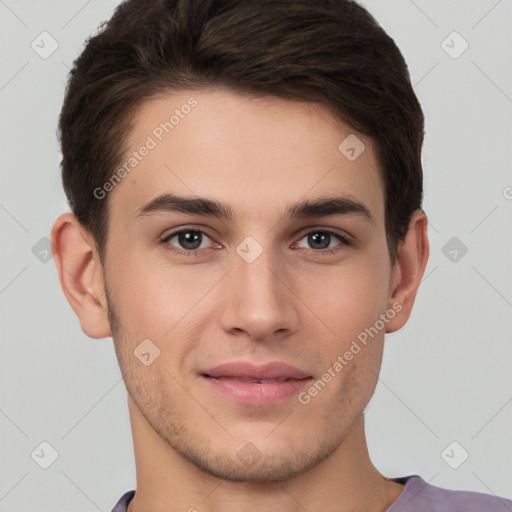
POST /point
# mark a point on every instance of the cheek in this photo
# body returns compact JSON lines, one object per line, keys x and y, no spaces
{"x":347,"y":298}
{"x":152,"y":296}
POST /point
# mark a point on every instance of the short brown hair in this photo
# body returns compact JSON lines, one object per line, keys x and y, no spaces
{"x":331,"y":52}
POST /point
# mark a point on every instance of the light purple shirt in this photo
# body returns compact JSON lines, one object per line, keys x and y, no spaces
{"x":417,"y":496}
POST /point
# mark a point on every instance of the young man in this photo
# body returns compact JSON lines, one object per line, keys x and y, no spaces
{"x":246,"y":186}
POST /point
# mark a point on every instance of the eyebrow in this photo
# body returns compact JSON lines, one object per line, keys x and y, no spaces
{"x":319,"y":207}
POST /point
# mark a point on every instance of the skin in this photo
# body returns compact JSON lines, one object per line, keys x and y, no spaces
{"x":291,"y":304}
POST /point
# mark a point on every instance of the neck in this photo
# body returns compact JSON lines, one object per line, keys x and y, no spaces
{"x":345,"y":481}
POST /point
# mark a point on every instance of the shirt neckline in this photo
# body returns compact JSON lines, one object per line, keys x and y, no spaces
{"x":414,"y":484}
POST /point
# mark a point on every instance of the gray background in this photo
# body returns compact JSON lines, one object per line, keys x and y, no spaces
{"x":446,"y":375}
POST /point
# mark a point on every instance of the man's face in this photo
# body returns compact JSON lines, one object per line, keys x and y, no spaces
{"x":260,"y":287}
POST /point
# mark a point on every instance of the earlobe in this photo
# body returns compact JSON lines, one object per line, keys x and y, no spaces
{"x":413,"y":252}
{"x":81,"y":274}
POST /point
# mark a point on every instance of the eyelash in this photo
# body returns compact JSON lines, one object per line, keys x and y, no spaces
{"x":316,"y":252}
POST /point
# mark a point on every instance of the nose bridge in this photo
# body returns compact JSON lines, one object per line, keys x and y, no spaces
{"x":257,"y":299}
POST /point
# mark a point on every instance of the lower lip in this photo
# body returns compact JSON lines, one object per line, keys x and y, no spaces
{"x":254,"y":393}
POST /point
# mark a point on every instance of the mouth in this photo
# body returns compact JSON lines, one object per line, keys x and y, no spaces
{"x":245,"y":383}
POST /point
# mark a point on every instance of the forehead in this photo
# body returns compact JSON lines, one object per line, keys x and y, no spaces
{"x":258,"y":155}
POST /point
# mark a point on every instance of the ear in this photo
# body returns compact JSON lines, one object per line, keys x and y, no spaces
{"x":81,"y":274}
{"x":408,"y":270}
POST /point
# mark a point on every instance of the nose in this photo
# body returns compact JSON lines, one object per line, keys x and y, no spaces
{"x":258,"y":300}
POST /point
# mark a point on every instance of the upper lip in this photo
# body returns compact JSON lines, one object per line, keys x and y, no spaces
{"x":246,"y":370}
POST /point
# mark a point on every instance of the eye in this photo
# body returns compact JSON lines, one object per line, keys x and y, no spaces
{"x":321,"y":241}
{"x":187,"y":241}
{"x":190,"y":242}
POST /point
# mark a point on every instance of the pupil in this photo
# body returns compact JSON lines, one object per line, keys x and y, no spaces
{"x":190,"y":237}
{"x":321,"y":239}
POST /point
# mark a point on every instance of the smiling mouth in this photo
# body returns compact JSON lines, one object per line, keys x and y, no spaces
{"x":249,"y":384}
